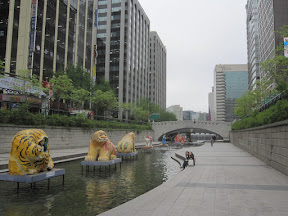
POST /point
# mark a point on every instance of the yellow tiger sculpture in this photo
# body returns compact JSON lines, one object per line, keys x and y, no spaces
{"x":30,"y":153}
{"x":100,"y":148}
{"x":126,"y":144}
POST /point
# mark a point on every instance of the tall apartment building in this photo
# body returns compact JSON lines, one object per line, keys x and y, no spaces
{"x":123,"y":48}
{"x":230,"y":82}
{"x":273,"y":14}
{"x":177,"y":110}
{"x":253,"y":53}
{"x":157,"y":71}
{"x":46,"y":35}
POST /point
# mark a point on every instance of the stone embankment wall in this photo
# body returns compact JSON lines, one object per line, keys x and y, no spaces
{"x":268,"y":143}
{"x":63,"y":138}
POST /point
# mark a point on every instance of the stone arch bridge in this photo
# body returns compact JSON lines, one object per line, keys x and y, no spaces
{"x":189,"y":126}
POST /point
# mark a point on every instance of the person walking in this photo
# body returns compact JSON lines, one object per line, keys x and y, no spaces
{"x":212,"y":141}
{"x":185,"y":162}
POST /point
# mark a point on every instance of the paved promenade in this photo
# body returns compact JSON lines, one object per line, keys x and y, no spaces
{"x":225,"y":181}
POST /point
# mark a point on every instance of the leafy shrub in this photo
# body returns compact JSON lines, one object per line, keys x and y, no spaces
{"x":22,"y":116}
{"x":276,"y":113}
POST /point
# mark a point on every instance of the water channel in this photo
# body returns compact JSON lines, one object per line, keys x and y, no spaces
{"x":89,"y":194}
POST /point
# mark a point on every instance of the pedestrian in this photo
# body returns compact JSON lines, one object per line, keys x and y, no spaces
{"x":185,"y":162}
{"x":212,"y":141}
{"x":192,"y":157}
{"x":163,"y":139}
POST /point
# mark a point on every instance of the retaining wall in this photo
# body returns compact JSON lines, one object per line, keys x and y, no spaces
{"x":63,"y":138}
{"x":268,"y":143}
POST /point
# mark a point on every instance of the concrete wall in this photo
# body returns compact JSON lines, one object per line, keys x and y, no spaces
{"x":268,"y":143}
{"x":63,"y":138}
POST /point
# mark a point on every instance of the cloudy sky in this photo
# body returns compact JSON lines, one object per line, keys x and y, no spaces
{"x":197,"y":35}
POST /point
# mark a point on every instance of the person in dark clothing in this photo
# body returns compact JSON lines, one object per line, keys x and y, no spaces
{"x":192,"y":157}
{"x":185,"y":163}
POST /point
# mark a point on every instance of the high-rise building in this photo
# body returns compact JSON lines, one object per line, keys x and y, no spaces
{"x":272,"y":16}
{"x":157,"y":71}
{"x":44,"y":36}
{"x":211,"y":115}
{"x":230,"y":82}
{"x":123,"y":48}
{"x":252,"y":43}
{"x":177,"y":110}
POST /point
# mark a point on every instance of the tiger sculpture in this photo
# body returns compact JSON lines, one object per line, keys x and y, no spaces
{"x":126,"y":144}
{"x":30,"y":153}
{"x":101,"y":148}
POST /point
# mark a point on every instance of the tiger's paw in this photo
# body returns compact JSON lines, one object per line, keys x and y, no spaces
{"x":89,"y":158}
{"x":113,"y":157}
{"x":103,"y":159}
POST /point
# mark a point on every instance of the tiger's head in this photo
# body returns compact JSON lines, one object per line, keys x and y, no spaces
{"x":133,"y":136}
{"x":100,"y":137}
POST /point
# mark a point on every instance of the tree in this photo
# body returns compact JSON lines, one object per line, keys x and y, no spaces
{"x":140,"y":114}
{"x":167,"y":116}
{"x":80,"y":78}
{"x":62,"y":88}
{"x":128,"y":108}
{"x":277,"y":67}
{"x":80,"y":96}
{"x":2,"y":67}
{"x":245,"y":104}
{"x":145,"y":104}
{"x":104,"y":102}
{"x":103,"y":85}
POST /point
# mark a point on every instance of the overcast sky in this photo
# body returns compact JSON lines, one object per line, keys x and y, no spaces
{"x":197,"y":35}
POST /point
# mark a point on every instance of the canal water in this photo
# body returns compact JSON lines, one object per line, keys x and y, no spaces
{"x":89,"y":194}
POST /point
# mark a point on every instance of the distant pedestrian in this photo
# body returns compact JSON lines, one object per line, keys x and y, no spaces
{"x":164,"y":139}
{"x":212,"y":141}
{"x":185,"y":163}
{"x":192,"y":157}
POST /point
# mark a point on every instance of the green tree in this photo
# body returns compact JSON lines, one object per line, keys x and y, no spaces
{"x":245,"y":104}
{"x":2,"y":67}
{"x":80,"y":78}
{"x":167,"y":116}
{"x":104,"y":102}
{"x":140,"y":114}
{"x":277,"y":67}
{"x":103,"y":85}
{"x":145,"y":104}
{"x":128,"y":108}
{"x":80,"y":96}
{"x":62,"y":88}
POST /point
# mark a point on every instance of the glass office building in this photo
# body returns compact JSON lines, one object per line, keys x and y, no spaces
{"x":230,"y":82}
{"x":236,"y":83}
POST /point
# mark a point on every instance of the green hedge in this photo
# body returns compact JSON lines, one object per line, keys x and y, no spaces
{"x":276,"y":113}
{"x":22,"y":117}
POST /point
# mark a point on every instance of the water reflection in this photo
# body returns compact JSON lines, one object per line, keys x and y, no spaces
{"x":89,"y":194}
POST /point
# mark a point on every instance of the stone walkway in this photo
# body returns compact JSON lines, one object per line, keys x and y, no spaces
{"x":225,"y":181}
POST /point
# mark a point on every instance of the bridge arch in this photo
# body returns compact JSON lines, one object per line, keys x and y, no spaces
{"x":220,"y":128}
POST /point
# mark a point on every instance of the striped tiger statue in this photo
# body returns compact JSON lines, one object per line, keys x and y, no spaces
{"x":30,"y":153}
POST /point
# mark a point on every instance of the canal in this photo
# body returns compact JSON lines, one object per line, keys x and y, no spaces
{"x":89,"y":194}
